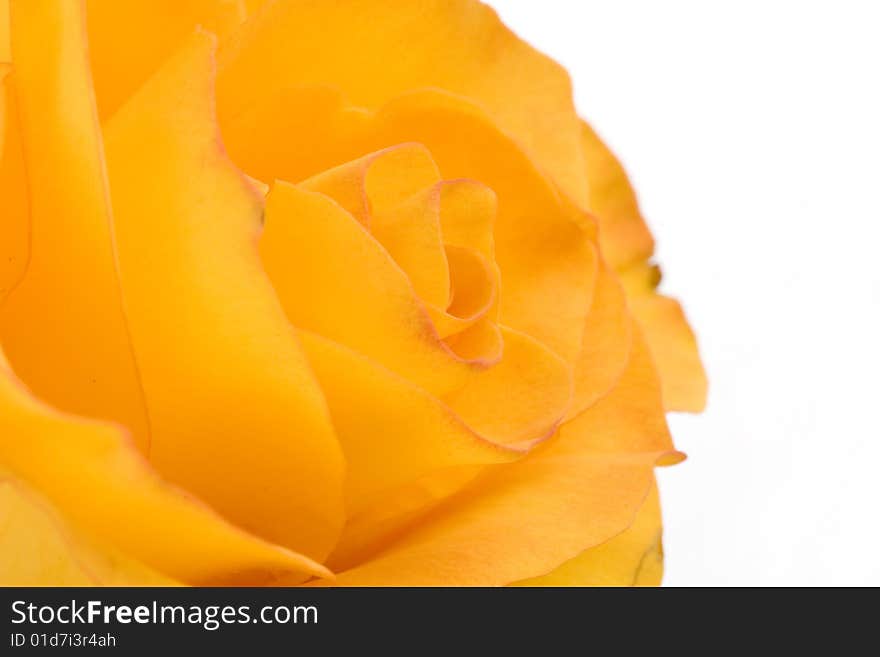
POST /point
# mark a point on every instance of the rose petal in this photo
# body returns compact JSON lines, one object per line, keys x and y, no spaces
{"x":524,"y":91}
{"x":627,"y":244}
{"x":39,"y":548}
{"x":15,"y":227}
{"x":410,"y":232}
{"x":521,"y":399}
{"x":237,"y":415}
{"x":321,"y":131}
{"x":607,"y":340}
{"x":473,"y":281}
{"x":624,"y":235}
{"x":482,"y":340}
{"x":313,"y":250}
{"x":377,"y":182}
{"x":543,"y":246}
{"x":582,"y":488}
{"x":632,"y":558}
{"x":130,"y":40}
{"x":544,"y":252}
{"x":467,"y":214}
{"x":92,"y":475}
{"x":378,"y":525}
{"x":392,"y":431}
{"x":63,"y":326}
{"x":5,"y":49}
{"x":675,"y":352}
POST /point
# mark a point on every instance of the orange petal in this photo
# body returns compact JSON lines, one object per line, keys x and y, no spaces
{"x":675,"y":352}
{"x":460,"y":46}
{"x":321,"y":131}
{"x":467,"y":215}
{"x":582,"y":488}
{"x":522,"y":522}
{"x":473,"y":283}
{"x":377,"y":182}
{"x":237,"y":415}
{"x":545,"y":255}
{"x":521,"y":399}
{"x":5,"y":49}
{"x":15,"y":225}
{"x":392,"y":432}
{"x":63,"y":326}
{"x":632,"y":558}
{"x":130,"y":40}
{"x":315,"y":251}
{"x":380,"y":523}
{"x":637,"y":392}
{"x":606,"y":345}
{"x":39,"y":548}
{"x":410,"y":232}
{"x":92,"y":475}
{"x":627,"y":244}
{"x":481,"y":341}
{"x":544,"y":252}
{"x":623,"y":234}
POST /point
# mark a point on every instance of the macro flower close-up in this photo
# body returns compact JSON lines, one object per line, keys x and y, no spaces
{"x":324,"y":293}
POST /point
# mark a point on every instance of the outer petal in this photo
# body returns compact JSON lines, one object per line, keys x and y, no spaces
{"x":39,"y":548}
{"x":129,"y":40}
{"x":627,"y":244}
{"x":675,"y":352}
{"x":459,"y":45}
{"x":5,"y":50}
{"x":606,"y":341}
{"x":86,"y":367}
{"x":624,"y":235}
{"x":582,"y":488}
{"x":632,"y":558}
{"x":15,"y":221}
{"x":237,"y":415}
{"x":94,"y":477}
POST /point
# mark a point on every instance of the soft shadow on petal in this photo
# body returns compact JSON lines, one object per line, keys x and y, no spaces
{"x":238,"y":417}
{"x":15,"y":227}
{"x":92,"y":475}
{"x":130,"y":39}
{"x":457,"y":45}
{"x":392,"y":432}
{"x":581,"y":488}
{"x":38,"y":548}
{"x":63,"y":326}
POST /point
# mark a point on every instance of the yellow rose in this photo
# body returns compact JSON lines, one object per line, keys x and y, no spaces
{"x":319,"y":292}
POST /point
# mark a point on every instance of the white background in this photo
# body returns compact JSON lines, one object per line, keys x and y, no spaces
{"x":751,"y":131}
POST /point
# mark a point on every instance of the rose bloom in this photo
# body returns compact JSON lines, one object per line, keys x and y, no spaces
{"x":320,"y":292}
